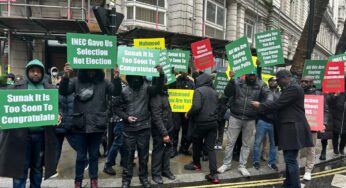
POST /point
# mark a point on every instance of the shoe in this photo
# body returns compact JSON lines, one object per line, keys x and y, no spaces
{"x":55,"y":175}
{"x":109,"y":170}
{"x":342,"y":152}
{"x":157,"y":179}
{"x":86,"y":166}
{"x":307,"y":176}
{"x":192,"y":166}
{"x":323,"y":156}
{"x":219,"y":147}
{"x":216,"y":147}
{"x":205,"y":158}
{"x":212,"y":178}
{"x":168,"y":175}
{"x":256,"y":165}
{"x":273,"y":167}
{"x":223,"y":169}
{"x":243,"y":171}
{"x":77,"y":184}
{"x":126,"y":184}
{"x":174,"y":153}
{"x":336,"y":152}
{"x":93,"y":183}
{"x":145,"y":183}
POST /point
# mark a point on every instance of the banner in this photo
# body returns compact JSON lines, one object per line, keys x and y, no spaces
{"x":220,"y":82}
{"x":28,"y":108}
{"x":316,"y":69}
{"x":268,"y":70}
{"x":203,"y":54}
{"x":314,"y":111}
{"x":340,"y":57}
{"x":239,"y":57}
{"x":179,"y":59}
{"x":166,"y":66}
{"x":180,"y":100}
{"x":334,"y":78}
{"x":138,"y":61}
{"x":153,"y":43}
{"x":268,"y":46}
{"x":87,"y":51}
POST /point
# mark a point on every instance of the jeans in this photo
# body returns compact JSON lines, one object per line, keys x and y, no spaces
{"x":34,"y":154}
{"x":58,"y":147}
{"x":235,"y":127}
{"x":87,"y":143}
{"x":292,"y":169}
{"x":117,"y":145}
{"x":262,"y":128}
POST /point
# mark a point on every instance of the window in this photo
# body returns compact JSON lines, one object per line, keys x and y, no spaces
{"x":211,"y":12}
{"x":147,"y":11}
{"x":215,"y":18}
{"x":160,"y":3}
{"x":129,"y":12}
{"x":213,"y":32}
{"x":249,"y":30}
{"x":149,"y":15}
{"x":292,"y":9}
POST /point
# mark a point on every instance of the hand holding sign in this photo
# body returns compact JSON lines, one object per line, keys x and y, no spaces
{"x":116,"y":72}
{"x":67,"y":70}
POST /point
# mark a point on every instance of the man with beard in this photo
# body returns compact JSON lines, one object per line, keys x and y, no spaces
{"x":135,"y":113}
{"x":243,"y":115}
{"x":89,"y":118}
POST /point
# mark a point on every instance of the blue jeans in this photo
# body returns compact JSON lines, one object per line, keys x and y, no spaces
{"x":86,"y":143}
{"x":262,"y":128}
{"x":34,"y":154}
{"x":117,"y":145}
{"x":292,"y":169}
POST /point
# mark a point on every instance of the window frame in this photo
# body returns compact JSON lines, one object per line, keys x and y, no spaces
{"x":214,"y":24}
{"x":134,"y":4}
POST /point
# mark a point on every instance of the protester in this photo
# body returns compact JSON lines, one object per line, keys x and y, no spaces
{"x":222,"y":108}
{"x":89,"y":118}
{"x":204,"y":115}
{"x":307,"y":83}
{"x":162,"y":125}
{"x":28,"y":148}
{"x":265,"y":124}
{"x":54,"y":75}
{"x":11,"y":79}
{"x":292,"y":127}
{"x":135,"y":97}
{"x":243,"y":115}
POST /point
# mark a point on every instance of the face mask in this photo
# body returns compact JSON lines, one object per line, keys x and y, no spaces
{"x":10,"y":82}
{"x":54,"y":74}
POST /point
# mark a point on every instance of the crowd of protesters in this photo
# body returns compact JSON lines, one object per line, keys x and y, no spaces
{"x":254,"y":114}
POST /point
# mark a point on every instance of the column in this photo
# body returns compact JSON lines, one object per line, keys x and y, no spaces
{"x":231,"y":27}
{"x":240,"y":20}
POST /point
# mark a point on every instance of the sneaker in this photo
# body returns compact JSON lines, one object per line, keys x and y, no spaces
{"x":93,"y":183}
{"x":109,"y":170}
{"x":223,"y":168}
{"x":256,"y":165}
{"x":192,"y":166}
{"x":273,"y":167}
{"x":216,"y":146}
{"x":342,"y":152}
{"x":212,"y":178}
{"x":219,"y":147}
{"x":243,"y":171}
{"x":86,"y":166}
{"x":307,"y":176}
{"x":55,"y":175}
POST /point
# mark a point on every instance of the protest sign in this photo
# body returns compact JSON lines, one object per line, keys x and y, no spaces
{"x":87,"y":51}
{"x":166,"y":66}
{"x":179,"y":59}
{"x":202,"y":54}
{"x":28,"y":108}
{"x":220,"y":82}
{"x":239,"y":57}
{"x":316,"y":69}
{"x":138,"y":61}
{"x":314,"y":111}
{"x":180,"y":100}
{"x":340,"y":57}
{"x":268,"y":70}
{"x":334,"y":78}
{"x":153,"y":43}
{"x":268,"y":46}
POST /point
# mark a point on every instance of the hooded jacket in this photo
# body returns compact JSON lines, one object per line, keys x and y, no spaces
{"x":205,"y":101}
{"x":13,"y":142}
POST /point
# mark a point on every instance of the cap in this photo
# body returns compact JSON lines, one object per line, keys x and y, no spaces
{"x":272,"y":78}
{"x":283,"y":74}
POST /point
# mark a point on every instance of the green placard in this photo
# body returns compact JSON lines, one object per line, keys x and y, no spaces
{"x":28,"y":108}
{"x":239,"y":57}
{"x":315,"y":68}
{"x":138,"y":61}
{"x":179,"y":59}
{"x":268,"y":46}
{"x":340,"y":57}
{"x":268,"y":70}
{"x":87,"y":51}
{"x":220,"y":82}
{"x":166,"y":66}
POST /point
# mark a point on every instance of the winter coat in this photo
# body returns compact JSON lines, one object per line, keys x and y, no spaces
{"x":13,"y":145}
{"x":337,"y":106}
{"x":66,"y":109}
{"x":162,"y":122}
{"x":90,"y":116}
{"x":205,"y":101}
{"x":293,"y":131}
{"x":241,"y":94}
{"x":222,"y":108}
{"x":271,"y":96}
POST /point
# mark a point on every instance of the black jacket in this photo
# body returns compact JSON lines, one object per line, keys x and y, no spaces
{"x":90,"y":116}
{"x":205,"y":101}
{"x":66,"y":109}
{"x":222,"y":108}
{"x":271,"y":96}
{"x":337,"y":106}
{"x":136,"y":103}
{"x":292,"y":127}
{"x":241,"y":94}
{"x":161,"y":115}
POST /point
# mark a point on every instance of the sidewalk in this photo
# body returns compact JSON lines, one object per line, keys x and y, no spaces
{"x":66,"y":170}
